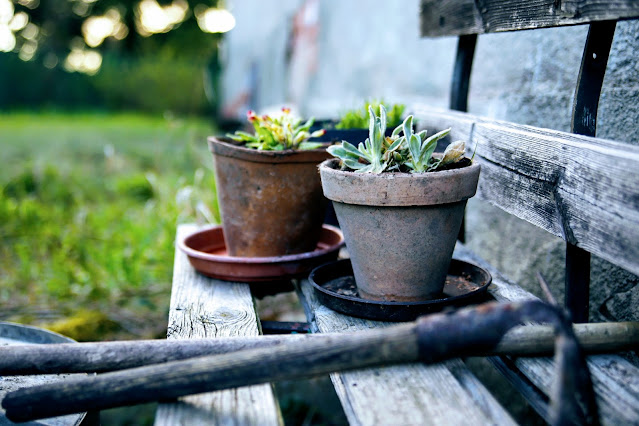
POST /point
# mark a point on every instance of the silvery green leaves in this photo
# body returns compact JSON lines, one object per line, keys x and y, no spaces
{"x":369,"y":156}
{"x":410,"y":152}
{"x":420,"y":147}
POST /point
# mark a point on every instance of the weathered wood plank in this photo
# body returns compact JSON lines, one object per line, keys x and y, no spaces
{"x":205,"y":308}
{"x":615,"y":380}
{"x":579,"y":188}
{"x":446,"y":394}
{"x":459,"y":17}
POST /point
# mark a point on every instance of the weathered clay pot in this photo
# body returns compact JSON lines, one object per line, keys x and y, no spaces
{"x":400,"y":228}
{"x":271,"y":201}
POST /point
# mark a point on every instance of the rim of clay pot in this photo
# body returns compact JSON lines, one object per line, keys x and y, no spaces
{"x":185,"y":246}
{"x":227,"y":147}
{"x":398,"y":189}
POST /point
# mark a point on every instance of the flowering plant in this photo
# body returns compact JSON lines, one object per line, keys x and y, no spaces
{"x":276,"y":133}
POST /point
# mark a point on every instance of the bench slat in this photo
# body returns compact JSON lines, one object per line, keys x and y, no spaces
{"x":206,"y":308}
{"x":579,"y":188}
{"x":459,"y":17}
{"x":445,"y":394}
{"x":616,"y":381}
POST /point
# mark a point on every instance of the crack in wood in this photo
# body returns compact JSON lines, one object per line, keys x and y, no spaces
{"x":562,"y":215}
{"x":515,"y":171}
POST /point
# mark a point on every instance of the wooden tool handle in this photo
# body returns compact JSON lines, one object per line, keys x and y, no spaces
{"x":196,"y":375}
{"x":99,"y":357}
{"x":469,"y":332}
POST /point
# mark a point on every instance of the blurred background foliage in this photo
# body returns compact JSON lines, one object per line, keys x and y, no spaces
{"x":89,"y":204}
{"x":140,"y":55}
{"x":88,"y":210}
{"x":104,"y":111}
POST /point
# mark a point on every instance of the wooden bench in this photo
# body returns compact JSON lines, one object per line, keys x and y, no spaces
{"x":577,"y":187}
{"x":204,"y":308}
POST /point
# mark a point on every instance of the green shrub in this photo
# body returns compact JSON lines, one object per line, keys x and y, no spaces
{"x":21,"y":185}
{"x":136,"y":187}
{"x":153,"y":83}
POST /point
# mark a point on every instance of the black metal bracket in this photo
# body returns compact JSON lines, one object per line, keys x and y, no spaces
{"x":459,"y":88}
{"x":461,"y":73}
{"x":584,"y":122}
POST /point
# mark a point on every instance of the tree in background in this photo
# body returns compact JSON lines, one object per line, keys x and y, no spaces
{"x":142,"y":54}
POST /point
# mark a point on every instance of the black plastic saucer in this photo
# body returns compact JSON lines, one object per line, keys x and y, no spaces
{"x":335,"y":288}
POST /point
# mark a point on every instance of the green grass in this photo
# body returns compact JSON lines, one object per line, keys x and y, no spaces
{"x":88,"y":209}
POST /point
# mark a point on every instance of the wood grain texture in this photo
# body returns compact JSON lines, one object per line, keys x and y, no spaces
{"x":205,"y":308}
{"x":460,"y":17}
{"x":579,"y":188}
{"x":615,"y":380}
{"x":446,"y":394}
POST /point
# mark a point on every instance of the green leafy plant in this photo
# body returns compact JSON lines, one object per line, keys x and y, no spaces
{"x":410,"y":152}
{"x":358,"y":118}
{"x":276,"y":133}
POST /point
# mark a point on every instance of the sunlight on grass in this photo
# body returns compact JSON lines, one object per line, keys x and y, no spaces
{"x":88,"y":214}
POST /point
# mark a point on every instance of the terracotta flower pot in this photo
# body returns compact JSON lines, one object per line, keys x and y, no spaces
{"x":271,"y":201}
{"x":400,"y":228}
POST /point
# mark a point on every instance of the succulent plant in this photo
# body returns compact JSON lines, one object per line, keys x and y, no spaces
{"x":375,"y":153}
{"x":276,"y":133}
{"x":410,"y":152}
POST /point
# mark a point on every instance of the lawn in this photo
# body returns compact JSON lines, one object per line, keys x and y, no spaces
{"x":88,"y":210}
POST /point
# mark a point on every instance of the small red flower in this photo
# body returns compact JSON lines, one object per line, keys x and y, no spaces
{"x":286,"y":110}
{"x":250,"y":114}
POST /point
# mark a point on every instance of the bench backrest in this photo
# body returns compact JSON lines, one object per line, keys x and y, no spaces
{"x":462,"y":17}
{"x":573,"y":185}
{"x":582,"y":189}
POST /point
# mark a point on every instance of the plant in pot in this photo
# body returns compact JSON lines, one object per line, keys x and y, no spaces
{"x":268,"y":186}
{"x":358,"y":118}
{"x":352,"y":126}
{"x":400,"y":207}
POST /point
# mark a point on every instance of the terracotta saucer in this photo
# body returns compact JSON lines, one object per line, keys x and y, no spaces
{"x":207,"y":253}
{"x":335,"y":288}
